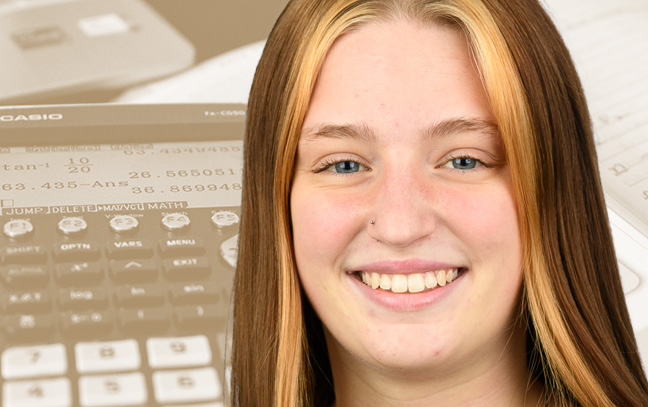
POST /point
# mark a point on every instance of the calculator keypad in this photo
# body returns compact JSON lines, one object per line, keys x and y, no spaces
{"x":123,"y":309}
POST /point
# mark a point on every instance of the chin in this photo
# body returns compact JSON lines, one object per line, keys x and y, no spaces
{"x":407,"y":348}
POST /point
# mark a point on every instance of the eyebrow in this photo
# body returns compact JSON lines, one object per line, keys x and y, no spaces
{"x":451,"y":127}
{"x":339,"y":131}
{"x":442,"y":129}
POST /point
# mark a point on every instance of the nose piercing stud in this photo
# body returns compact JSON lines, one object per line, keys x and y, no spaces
{"x":371,"y":222}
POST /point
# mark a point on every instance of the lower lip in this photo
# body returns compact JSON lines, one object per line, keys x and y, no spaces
{"x":407,"y":301}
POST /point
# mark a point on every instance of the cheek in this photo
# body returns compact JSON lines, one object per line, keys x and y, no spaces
{"x":323,"y":226}
{"x":323,"y":229}
{"x":487,"y":223}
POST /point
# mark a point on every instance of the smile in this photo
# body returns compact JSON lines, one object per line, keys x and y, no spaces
{"x":409,"y":283}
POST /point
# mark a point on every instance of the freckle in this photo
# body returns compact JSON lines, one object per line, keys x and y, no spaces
{"x":436,"y":353}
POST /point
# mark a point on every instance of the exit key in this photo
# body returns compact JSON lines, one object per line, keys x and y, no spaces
{"x":186,"y":268}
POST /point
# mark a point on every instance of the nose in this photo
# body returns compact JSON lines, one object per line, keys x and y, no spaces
{"x":403,"y":211}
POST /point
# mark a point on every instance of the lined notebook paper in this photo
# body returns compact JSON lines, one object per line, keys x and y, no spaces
{"x":609,"y":44}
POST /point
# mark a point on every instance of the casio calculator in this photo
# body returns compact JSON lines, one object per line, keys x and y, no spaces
{"x":118,"y":244}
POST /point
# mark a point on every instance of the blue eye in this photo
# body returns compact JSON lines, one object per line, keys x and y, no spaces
{"x":464,"y":163}
{"x":345,"y":167}
{"x":341,"y":167}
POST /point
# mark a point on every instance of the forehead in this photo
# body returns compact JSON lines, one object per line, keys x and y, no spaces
{"x":398,"y":72}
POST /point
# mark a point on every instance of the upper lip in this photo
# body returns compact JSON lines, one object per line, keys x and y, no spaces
{"x":409,"y":266}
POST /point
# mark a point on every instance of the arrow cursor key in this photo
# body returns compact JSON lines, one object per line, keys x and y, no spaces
{"x":133,"y":271}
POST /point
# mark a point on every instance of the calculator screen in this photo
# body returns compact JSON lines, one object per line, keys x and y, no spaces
{"x":70,"y":179}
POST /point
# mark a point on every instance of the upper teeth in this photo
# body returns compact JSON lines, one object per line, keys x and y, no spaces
{"x":413,"y":283}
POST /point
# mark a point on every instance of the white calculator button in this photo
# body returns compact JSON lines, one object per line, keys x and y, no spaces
{"x":18,"y":228}
{"x":113,"y":390}
{"x":123,"y":223}
{"x":180,"y":386}
{"x":95,"y":357}
{"x":175,"y":222}
{"x":31,"y":361}
{"x":72,"y":225}
{"x":178,"y":352}
{"x":37,"y":393}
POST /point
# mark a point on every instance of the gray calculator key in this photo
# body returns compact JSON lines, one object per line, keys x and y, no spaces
{"x":79,"y":273}
{"x":186,"y":268}
{"x":195,"y":293}
{"x":133,"y":271}
{"x":87,"y":323}
{"x":76,"y":251}
{"x":138,"y":320}
{"x":29,"y":326}
{"x":182,"y":246}
{"x":143,"y":295}
{"x":23,"y":254}
{"x":28,"y":276}
{"x":83,"y":298}
{"x":129,"y":249}
{"x":196,"y":316}
{"x":26,"y":302}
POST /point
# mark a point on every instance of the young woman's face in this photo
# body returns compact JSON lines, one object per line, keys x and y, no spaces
{"x":404,"y":221}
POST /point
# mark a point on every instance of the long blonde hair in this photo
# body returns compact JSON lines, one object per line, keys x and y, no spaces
{"x":581,"y":343}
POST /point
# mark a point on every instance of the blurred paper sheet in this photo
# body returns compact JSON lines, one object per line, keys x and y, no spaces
{"x":226,"y":78}
{"x":609,"y":43}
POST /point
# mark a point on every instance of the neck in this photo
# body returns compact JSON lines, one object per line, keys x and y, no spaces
{"x":498,"y":377}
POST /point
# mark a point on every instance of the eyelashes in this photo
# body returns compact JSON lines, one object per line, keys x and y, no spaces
{"x":465,"y":163}
{"x":351,"y":165}
{"x":341,"y":166}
